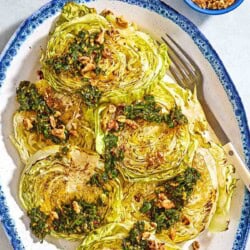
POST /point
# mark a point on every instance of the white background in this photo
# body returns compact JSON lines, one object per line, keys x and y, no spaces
{"x":229,"y":35}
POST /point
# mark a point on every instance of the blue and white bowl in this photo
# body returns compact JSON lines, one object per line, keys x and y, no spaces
{"x":194,"y":6}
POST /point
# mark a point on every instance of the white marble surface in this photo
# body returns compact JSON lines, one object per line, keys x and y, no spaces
{"x":229,"y":35}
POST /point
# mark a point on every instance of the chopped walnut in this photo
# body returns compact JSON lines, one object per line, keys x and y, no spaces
{"x":122,"y":22}
{"x":162,"y":196}
{"x":155,"y":159}
{"x":153,"y":245}
{"x":52,"y":121}
{"x":51,"y":100}
{"x":106,"y":13}
{"x":100,"y":37}
{"x":153,"y":224}
{"x":196,"y":245}
{"x":214,"y":4}
{"x":145,"y":235}
{"x":54,"y":215}
{"x":112,"y":109}
{"x":76,"y":207}
{"x":59,"y":132}
{"x":84,"y":59}
{"x":164,"y":202}
{"x":185,"y":220}
{"x":88,"y":67}
{"x":27,"y":123}
{"x":112,"y":125}
{"x":131,"y":124}
{"x":137,"y":197}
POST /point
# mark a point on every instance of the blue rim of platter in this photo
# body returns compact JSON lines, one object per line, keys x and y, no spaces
{"x":50,"y":9}
{"x":194,"y":6}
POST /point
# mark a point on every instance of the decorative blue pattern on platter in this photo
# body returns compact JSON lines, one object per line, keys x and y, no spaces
{"x":199,"y":39}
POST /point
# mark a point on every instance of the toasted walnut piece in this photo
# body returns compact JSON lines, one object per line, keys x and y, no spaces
{"x":214,"y":4}
{"x":112,"y":109}
{"x":88,"y":67}
{"x":185,"y":220}
{"x":53,"y":215}
{"x":157,"y":158}
{"x":153,"y":224}
{"x":100,"y":37}
{"x":167,"y":204}
{"x":145,"y":235}
{"x":131,"y":124}
{"x":153,"y":245}
{"x":27,"y":123}
{"x":52,"y":121}
{"x":112,"y":125}
{"x":196,"y":245}
{"x":106,"y":13}
{"x":122,"y":22}
{"x":84,"y":59}
{"x":76,"y":207}
{"x":164,"y":202}
{"x":162,"y":196}
{"x":59,"y":132}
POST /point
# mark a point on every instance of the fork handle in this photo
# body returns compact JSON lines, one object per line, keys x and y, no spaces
{"x":241,"y":168}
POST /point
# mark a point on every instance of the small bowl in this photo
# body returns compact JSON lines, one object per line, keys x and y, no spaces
{"x":213,"y":12}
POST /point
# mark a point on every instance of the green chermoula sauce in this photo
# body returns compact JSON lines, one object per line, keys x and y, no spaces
{"x":111,"y":157}
{"x":177,"y":191}
{"x":134,"y":239}
{"x":77,"y":217}
{"x":30,"y":100}
{"x":90,"y":95}
{"x":149,"y":111}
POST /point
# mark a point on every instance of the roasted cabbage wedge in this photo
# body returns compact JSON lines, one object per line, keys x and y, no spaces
{"x":103,"y":51}
{"x":153,"y":134}
{"x":46,"y":118}
{"x":55,"y":186}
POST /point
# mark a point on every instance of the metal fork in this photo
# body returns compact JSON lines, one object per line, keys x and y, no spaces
{"x":188,"y":75}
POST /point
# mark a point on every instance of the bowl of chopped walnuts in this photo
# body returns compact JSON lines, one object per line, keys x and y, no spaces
{"x":213,"y":7}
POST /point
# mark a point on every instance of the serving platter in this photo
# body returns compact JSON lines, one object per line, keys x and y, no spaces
{"x":20,"y":61}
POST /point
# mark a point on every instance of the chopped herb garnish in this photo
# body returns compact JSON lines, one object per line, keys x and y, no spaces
{"x":111,"y":157}
{"x":30,"y":100}
{"x":149,"y":111}
{"x":181,"y":187}
{"x":146,"y":207}
{"x":166,"y":210}
{"x":135,"y":239}
{"x":90,"y":95}
{"x":38,"y":223}
{"x":73,"y":221}
{"x":76,"y":217}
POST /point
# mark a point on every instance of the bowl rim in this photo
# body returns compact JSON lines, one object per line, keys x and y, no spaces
{"x":194,"y":6}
